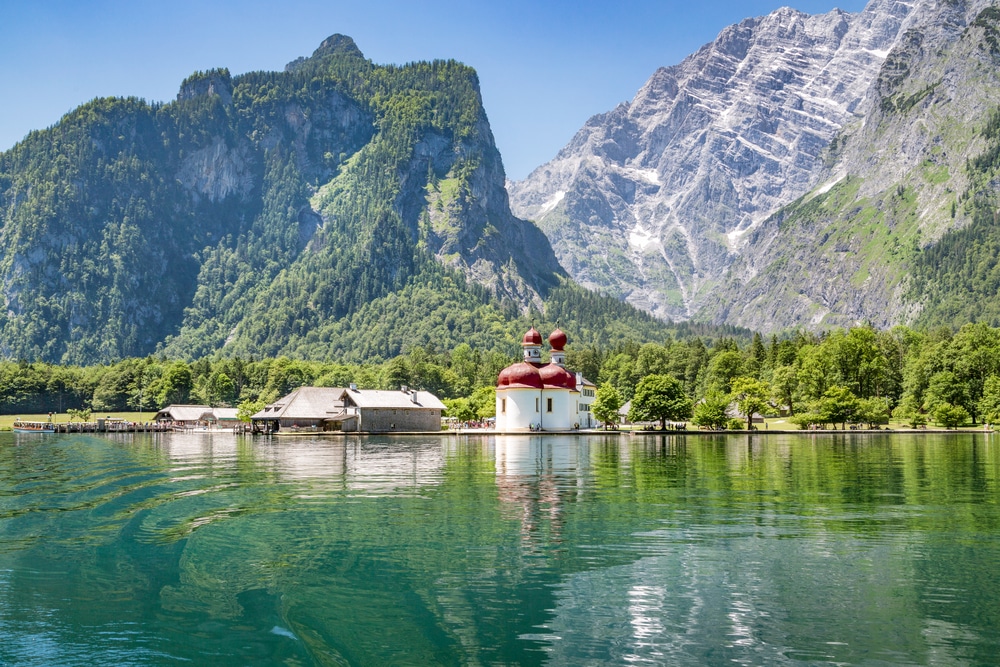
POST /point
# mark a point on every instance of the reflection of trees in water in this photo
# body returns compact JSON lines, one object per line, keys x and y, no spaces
{"x":465,"y":550}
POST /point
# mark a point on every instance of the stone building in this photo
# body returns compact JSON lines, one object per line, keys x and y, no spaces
{"x":328,"y":409}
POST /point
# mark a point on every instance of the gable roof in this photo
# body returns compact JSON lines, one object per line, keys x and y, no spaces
{"x":226,"y":413}
{"x":193,"y":413}
{"x":184,"y":413}
{"x":378,"y":398}
{"x":306,"y":403}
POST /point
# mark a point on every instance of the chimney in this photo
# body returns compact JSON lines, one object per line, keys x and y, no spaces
{"x":354,"y":387}
{"x":403,"y":389}
{"x":413,"y":396}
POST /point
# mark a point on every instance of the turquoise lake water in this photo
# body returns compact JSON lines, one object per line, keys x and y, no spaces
{"x":534,"y":550}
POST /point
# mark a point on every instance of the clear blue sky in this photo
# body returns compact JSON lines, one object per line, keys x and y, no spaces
{"x":544,"y":66}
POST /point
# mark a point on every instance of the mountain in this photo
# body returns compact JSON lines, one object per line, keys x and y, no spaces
{"x":652,"y":201}
{"x":903,"y":227}
{"x":338,"y":209}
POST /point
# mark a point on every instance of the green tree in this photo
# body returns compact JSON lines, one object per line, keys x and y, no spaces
{"x":806,"y":419}
{"x":653,"y":359}
{"x":944,"y":387}
{"x":751,"y":396}
{"x":248,"y":409}
{"x":484,"y":402}
{"x":660,"y":398}
{"x":460,"y":409}
{"x":784,"y":383}
{"x":908,"y":411}
{"x":756,"y":357}
{"x":816,"y":370}
{"x":838,"y":405}
{"x":79,"y":415}
{"x":619,"y":370}
{"x":606,"y":404}
{"x":950,"y":416}
{"x":175,"y":385}
{"x":723,"y":368}
{"x":221,"y":389}
{"x":989,"y":404}
{"x":710,"y":412}
{"x":872,"y":411}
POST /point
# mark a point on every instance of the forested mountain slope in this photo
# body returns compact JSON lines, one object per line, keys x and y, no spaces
{"x":338,"y":209}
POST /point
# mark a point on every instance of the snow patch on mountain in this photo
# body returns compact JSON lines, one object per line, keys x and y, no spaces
{"x":705,"y":151}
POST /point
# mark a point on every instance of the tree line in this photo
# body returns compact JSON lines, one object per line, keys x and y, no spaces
{"x":856,"y":375}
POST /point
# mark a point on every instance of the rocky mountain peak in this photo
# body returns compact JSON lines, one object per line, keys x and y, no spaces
{"x":213,"y":82}
{"x":870,"y":242}
{"x":338,"y":44}
{"x":334,"y":45}
{"x":652,"y":201}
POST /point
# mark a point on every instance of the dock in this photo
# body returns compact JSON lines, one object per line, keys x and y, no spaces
{"x":99,"y":426}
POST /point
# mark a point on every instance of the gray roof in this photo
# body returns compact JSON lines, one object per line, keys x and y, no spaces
{"x":306,"y":403}
{"x":184,"y":413}
{"x":193,"y":413}
{"x":377,"y":398}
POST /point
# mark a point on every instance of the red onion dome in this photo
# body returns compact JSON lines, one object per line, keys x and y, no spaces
{"x":556,"y":376}
{"x":520,"y":376}
{"x":557,"y":339}
{"x":532,"y":337}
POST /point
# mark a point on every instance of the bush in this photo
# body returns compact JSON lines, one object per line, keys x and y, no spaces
{"x":950,"y":416}
{"x":806,"y":419}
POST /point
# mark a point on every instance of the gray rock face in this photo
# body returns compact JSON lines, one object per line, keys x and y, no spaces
{"x":896,"y":181}
{"x":653,"y":201}
{"x":213,"y":82}
{"x":216,"y":171}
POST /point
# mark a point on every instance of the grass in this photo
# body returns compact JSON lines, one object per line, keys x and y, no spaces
{"x":7,"y":421}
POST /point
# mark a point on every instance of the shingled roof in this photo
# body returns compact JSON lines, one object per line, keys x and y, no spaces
{"x":306,"y":403}
{"x":194,"y":413}
{"x":184,"y":413}
{"x":400,"y":400}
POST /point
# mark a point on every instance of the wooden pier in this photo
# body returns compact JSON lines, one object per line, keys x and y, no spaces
{"x":99,"y":426}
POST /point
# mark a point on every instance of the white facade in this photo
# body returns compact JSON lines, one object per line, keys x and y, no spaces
{"x":531,"y":395}
{"x":517,"y":409}
{"x":558,"y":409}
{"x":587,"y":395}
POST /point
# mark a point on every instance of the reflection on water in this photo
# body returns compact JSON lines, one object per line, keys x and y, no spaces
{"x":571,"y":550}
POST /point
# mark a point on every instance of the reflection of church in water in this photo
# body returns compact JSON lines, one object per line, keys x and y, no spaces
{"x":536,"y":396}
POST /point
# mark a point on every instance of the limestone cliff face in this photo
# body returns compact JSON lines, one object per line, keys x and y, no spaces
{"x":894,"y":183}
{"x":218,"y":171}
{"x":213,"y":82}
{"x":654,"y":200}
{"x":468,"y":224}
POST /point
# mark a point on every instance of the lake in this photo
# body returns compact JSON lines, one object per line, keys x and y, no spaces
{"x":807,"y":549}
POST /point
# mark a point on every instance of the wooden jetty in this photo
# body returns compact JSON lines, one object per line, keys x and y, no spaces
{"x":98,"y":426}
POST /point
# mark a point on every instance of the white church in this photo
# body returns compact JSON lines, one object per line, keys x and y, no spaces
{"x":532,"y":396}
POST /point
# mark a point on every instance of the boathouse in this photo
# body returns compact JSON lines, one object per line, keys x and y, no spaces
{"x":326,"y":409}
{"x":307,"y":409}
{"x":194,"y":416}
{"x":382,"y":411}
